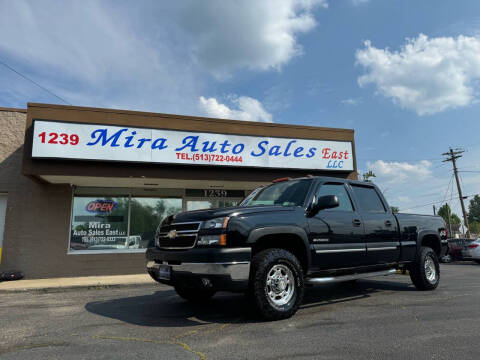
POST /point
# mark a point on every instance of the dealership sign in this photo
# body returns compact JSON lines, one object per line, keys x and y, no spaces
{"x":64,"y":140}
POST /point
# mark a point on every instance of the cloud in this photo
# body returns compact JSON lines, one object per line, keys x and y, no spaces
{"x":360,"y":2}
{"x":153,"y":56}
{"x":247,"y":108}
{"x":400,"y":172}
{"x":252,"y":34}
{"x":404,"y":199}
{"x":351,"y":102}
{"x":94,"y":53}
{"x":416,"y":186}
{"x":427,"y":75}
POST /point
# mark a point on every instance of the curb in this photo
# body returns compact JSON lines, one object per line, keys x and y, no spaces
{"x":76,"y":283}
{"x":56,"y":289}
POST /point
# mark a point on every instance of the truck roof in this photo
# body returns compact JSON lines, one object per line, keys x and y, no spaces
{"x":327,"y":178}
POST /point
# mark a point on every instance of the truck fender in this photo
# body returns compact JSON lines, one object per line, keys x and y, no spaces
{"x":421,"y":235}
{"x":280,"y":230}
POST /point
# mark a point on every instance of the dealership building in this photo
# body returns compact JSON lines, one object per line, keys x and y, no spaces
{"x":83,"y":189}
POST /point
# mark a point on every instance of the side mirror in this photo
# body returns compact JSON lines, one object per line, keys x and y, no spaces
{"x":323,"y":202}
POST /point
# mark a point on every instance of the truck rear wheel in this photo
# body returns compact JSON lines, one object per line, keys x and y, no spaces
{"x":425,"y":271}
{"x":277,"y":285}
{"x":194,"y":294}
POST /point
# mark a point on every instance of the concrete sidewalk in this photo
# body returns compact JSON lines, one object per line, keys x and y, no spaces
{"x":76,"y":282}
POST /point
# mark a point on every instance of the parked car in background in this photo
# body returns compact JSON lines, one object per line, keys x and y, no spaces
{"x":464,"y":249}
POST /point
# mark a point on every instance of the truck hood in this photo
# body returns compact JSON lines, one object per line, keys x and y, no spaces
{"x":202,"y":215}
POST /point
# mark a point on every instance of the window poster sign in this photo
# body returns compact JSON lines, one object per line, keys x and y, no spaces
{"x":100,"y":224}
{"x":52,"y":139}
{"x":118,"y":223}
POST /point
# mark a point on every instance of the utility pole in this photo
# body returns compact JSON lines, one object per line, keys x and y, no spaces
{"x":452,"y":156}
{"x":434,"y":210}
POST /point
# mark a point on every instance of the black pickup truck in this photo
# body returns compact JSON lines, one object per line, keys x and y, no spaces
{"x":290,"y":234}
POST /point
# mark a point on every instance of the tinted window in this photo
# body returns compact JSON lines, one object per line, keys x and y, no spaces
{"x":340,"y":192}
{"x":145,"y":215}
{"x":368,"y":199}
{"x":287,"y":193}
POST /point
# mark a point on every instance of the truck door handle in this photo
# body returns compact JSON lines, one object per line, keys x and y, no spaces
{"x":388,"y":223}
{"x":356,"y":222}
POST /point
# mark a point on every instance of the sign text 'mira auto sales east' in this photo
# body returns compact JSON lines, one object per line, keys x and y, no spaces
{"x":63,"y":140}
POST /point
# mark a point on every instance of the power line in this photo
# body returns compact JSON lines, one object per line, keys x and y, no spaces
{"x":34,"y":82}
{"x":448,"y":188}
{"x":431,"y":159}
{"x":439,"y":165}
{"x":437,"y":202}
{"x":448,"y":208}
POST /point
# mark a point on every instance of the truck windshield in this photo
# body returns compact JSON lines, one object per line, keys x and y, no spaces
{"x":288,"y":193}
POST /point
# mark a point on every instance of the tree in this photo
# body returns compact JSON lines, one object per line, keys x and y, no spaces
{"x":394,"y":209}
{"x":474,"y":209}
{"x":369,"y":174}
{"x":475,"y":227}
{"x":446,"y":213}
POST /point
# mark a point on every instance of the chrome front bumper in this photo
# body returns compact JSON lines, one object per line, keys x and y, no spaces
{"x":237,"y":271}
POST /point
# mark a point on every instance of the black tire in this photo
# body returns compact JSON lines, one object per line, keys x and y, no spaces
{"x":421,"y":276}
{"x":477,"y":261}
{"x":289,"y":281}
{"x":194,"y":294}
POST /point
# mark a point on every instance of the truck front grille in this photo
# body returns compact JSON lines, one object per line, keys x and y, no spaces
{"x":185,"y":235}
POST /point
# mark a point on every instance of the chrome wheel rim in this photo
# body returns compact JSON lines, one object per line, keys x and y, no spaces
{"x":279,"y":285}
{"x":430,"y":270}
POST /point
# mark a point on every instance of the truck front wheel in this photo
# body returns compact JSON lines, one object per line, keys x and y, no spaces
{"x":194,"y":294}
{"x":425,"y":271}
{"x":277,"y":285}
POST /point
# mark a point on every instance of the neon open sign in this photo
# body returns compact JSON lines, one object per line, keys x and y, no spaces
{"x":101,"y":206}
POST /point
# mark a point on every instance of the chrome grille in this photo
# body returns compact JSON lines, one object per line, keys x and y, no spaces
{"x":186,"y":235}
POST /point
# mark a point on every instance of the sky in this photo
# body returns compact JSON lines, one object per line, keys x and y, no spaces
{"x":404,"y":74}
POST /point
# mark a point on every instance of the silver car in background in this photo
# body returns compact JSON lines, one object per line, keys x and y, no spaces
{"x":472,"y":251}
{"x":464,"y":249}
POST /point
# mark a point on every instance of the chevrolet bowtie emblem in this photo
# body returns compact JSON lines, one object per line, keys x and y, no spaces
{"x":172,"y":234}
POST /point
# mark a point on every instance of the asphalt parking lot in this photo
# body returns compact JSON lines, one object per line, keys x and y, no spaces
{"x":373,"y":319}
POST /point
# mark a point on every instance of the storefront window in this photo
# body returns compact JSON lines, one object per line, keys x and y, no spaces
{"x":200,"y":204}
{"x":125,"y":220}
{"x":227,"y":203}
{"x":146,"y":214}
{"x":100,"y":223}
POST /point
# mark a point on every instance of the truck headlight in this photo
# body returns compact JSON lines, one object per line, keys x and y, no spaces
{"x":217,"y":223}
{"x":209,"y":240}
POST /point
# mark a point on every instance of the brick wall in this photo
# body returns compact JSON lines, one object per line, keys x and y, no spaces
{"x":38,"y":218}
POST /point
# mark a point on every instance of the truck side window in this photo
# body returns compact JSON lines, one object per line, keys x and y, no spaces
{"x":340,"y":192}
{"x":368,"y":199}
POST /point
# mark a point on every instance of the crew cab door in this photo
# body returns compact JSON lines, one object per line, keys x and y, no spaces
{"x":381,"y":231}
{"x":335,"y":235}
